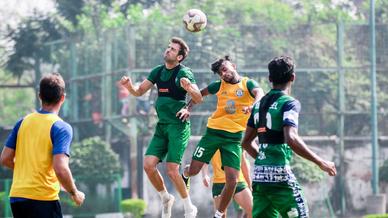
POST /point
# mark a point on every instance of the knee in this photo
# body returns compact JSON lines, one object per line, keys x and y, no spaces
{"x":149,"y":167}
{"x":231,"y":180}
{"x":172,"y":173}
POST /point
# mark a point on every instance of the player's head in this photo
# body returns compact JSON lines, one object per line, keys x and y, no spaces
{"x":52,"y":89}
{"x":177,"y":50}
{"x":281,"y":70}
{"x":225,"y":69}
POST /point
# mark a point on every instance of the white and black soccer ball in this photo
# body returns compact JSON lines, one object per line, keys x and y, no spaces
{"x":194,"y":20}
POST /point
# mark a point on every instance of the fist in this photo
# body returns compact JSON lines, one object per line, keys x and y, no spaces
{"x":125,"y":81}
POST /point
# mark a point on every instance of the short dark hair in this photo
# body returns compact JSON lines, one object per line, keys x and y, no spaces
{"x":51,"y":88}
{"x":217,"y":64}
{"x":184,"y":50}
{"x":281,"y":69}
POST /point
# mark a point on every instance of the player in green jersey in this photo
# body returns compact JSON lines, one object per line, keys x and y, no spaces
{"x":171,"y":136}
{"x":275,"y":121}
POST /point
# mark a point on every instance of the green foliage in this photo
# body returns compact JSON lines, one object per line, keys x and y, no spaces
{"x":2,"y":196}
{"x":29,"y":38}
{"x":376,"y":216}
{"x":94,"y":159}
{"x":383,"y":172}
{"x":134,"y":206}
{"x":306,"y":171}
{"x":14,"y":103}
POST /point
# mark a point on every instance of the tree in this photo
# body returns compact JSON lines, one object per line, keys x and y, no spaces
{"x":94,"y":161}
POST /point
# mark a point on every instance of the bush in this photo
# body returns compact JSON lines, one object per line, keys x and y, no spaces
{"x":134,"y":206}
{"x":383,"y":172}
{"x":376,"y":216}
{"x":2,"y":195}
{"x":306,"y":171}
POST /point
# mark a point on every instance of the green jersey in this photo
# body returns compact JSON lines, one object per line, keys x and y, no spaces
{"x":273,"y":160}
{"x":168,"y":104}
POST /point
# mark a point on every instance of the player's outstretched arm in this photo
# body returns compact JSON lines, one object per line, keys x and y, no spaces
{"x":192,"y":89}
{"x":298,"y":146}
{"x":7,"y":157}
{"x":136,"y":91}
{"x":248,"y":143}
{"x":62,"y":170}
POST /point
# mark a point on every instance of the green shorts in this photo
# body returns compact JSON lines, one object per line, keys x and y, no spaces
{"x":286,"y":199}
{"x":169,"y":141}
{"x":218,"y":187}
{"x":228,"y":144}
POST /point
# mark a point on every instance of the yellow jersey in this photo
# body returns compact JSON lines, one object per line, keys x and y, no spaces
{"x":33,"y":175}
{"x":231,"y":99}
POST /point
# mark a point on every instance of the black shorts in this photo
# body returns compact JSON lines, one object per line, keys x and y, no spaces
{"x":36,"y":209}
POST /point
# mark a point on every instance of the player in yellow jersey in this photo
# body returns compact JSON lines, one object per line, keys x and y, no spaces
{"x":242,"y":195}
{"x":235,"y":96}
{"x":38,"y":150}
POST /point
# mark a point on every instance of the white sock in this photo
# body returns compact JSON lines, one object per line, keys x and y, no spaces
{"x":187,"y":204}
{"x":164,"y":195}
{"x":218,"y":214}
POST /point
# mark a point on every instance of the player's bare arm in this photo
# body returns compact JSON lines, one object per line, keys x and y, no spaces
{"x":192,"y":89}
{"x":298,"y":146}
{"x":7,"y":157}
{"x":248,"y":142}
{"x":62,"y":170}
{"x":184,"y":113}
{"x":245,"y":169}
{"x":258,"y":93}
{"x":136,"y":91}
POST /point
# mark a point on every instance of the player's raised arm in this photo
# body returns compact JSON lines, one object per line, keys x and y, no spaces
{"x":192,"y":89}
{"x":184,"y":113}
{"x":136,"y":91}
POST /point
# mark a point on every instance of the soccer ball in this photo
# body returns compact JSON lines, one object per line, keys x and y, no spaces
{"x":194,"y":20}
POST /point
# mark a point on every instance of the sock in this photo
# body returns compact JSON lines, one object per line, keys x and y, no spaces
{"x":218,"y":214}
{"x":187,"y":204}
{"x":183,"y":175}
{"x":164,"y":195}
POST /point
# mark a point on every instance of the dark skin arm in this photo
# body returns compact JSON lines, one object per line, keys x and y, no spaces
{"x":7,"y":157}
{"x":248,"y":142}
{"x":298,"y":146}
{"x":184,"y":113}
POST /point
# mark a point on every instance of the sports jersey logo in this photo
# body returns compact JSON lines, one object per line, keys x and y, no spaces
{"x":224,"y":93}
{"x":164,"y":90}
{"x":230,"y":107}
{"x":239,"y":92}
{"x":274,"y":106}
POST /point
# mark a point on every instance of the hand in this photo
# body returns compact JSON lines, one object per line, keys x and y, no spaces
{"x":328,"y":167}
{"x":185,"y":83}
{"x":125,"y":81}
{"x":206,"y":181}
{"x":247,"y":110}
{"x":78,"y":197}
{"x":183,"y":114}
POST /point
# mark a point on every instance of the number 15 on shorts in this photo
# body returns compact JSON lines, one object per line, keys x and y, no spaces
{"x":199,"y":152}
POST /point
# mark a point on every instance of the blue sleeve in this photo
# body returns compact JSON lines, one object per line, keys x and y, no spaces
{"x":61,"y":137}
{"x":291,"y":111}
{"x":11,"y":140}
